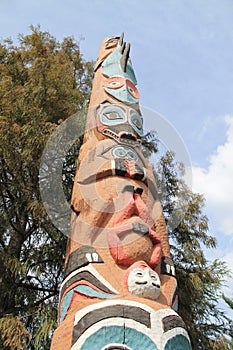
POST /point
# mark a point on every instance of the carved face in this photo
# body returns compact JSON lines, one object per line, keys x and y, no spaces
{"x":122,"y":89}
{"x":144,"y":282}
{"x":121,"y":123}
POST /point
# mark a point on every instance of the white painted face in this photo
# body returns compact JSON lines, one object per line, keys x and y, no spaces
{"x":144,"y":283}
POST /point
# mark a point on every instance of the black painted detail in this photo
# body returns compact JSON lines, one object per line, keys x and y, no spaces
{"x":116,"y":347}
{"x":139,"y":176}
{"x":85,"y":276}
{"x":124,"y":311}
{"x":167,"y":266}
{"x":140,"y":173}
{"x":125,"y":56}
{"x":172,"y":321}
{"x":81,"y":257}
{"x":121,"y":170}
{"x":139,"y":190}
{"x":175,"y":296}
{"x":120,"y":167}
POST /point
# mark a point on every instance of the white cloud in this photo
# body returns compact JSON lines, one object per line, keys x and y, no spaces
{"x":216,"y":183}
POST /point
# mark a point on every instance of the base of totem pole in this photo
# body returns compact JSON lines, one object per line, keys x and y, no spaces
{"x":121,"y":324}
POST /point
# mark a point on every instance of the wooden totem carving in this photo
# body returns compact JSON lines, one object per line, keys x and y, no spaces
{"x":119,"y":288}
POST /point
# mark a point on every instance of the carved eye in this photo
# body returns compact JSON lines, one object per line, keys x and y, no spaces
{"x":153,"y":277}
{"x":112,"y":115}
{"x":119,"y":152}
{"x":132,"y":155}
{"x":139,"y":274}
{"x":114,"y":84}
{"x":136,"y":121}
{"x":124,"y":152}
{"x":132,"y":89}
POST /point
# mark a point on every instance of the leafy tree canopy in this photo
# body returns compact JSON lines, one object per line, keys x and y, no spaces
{"x":199,"y":280}
{"x":42,"y":82}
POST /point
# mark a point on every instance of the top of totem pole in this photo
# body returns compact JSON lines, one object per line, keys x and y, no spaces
{"x":114,"y":58}
{"x":114,"y":94}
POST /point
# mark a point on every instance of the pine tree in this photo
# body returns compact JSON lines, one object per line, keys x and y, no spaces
{"x":199,"y":280}
{"x":42,"y":82}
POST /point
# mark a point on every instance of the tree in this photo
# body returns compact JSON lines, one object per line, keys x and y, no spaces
{"x":226,"y":342}
{"x":43,"y":82}
{"x":199,"y":281}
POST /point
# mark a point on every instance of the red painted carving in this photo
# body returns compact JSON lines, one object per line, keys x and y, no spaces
{"x":134,"y":207}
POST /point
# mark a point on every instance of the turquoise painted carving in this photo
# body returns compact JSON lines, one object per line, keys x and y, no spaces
{"x":124,"y":152}
{"x":112,"y":67}
{"x":122,"y":89}
{"x":118,"y":335}
{"x":178,"y":342}
{"x":113,"y":115}
{"x":84,"y":290}
{"x":122,"y":94}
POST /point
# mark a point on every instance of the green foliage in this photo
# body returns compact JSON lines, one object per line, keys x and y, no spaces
{"x":228,"y":301}
{"x":230,"y":304}
{"x":14,"y":333}
{"x":199,"y":281}
{"x":42,"y":82}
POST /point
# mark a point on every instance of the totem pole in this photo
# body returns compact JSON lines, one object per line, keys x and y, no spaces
{"x":119,"y":288}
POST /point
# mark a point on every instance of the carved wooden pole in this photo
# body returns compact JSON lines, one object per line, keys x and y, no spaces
{"x":119,"y":288}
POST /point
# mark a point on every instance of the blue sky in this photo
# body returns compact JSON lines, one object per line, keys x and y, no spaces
{"x":182,"y":53}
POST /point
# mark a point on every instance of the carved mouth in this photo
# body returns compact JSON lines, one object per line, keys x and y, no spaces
{"x":124,"y":137}
{"x":110,"y":133}
{"x":141,"y":282}
{"x":127,"y":136}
